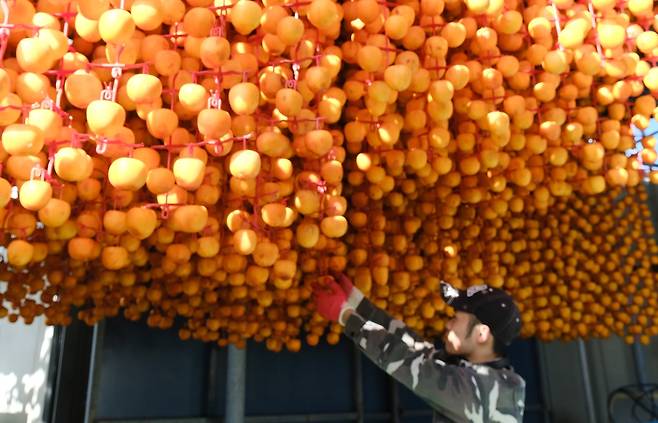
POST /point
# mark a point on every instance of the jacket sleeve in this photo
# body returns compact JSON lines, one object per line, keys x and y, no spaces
{"x":369,"y":312}
{"x":451,"y":390}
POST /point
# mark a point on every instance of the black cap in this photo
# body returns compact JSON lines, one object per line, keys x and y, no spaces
{"x":492,"y":306}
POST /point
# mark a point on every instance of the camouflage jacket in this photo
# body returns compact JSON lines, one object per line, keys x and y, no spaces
{"x":457,"y":390}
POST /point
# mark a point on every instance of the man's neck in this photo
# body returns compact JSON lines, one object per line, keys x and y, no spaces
{"x":481,"y":357}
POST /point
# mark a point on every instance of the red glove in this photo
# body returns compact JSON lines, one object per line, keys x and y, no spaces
{"x":345,"y":283}
{"x":354,"y":295}
{"x":330,"y":299}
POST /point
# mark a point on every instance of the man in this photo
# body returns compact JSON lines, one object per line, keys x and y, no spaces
{"x":468,"y":381}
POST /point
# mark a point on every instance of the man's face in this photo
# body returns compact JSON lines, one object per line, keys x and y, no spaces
{"x":457,"y":339}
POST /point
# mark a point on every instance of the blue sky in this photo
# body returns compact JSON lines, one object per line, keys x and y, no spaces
{"x":653,"y":127}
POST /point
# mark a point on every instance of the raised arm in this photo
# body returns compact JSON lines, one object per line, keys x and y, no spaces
{"x":450,"y":389}
{"x":453,"y":390}
{"x":369,"y":311}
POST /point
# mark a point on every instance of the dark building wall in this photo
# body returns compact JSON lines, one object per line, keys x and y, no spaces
{"x":146,"y":373}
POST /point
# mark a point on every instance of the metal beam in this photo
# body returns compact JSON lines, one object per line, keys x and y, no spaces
{"x":93,"y":382}
{"x":638,"y":361}
{"x":289,"y":418}
{"x":333,"y":417}
{"x":235,"y":384}
{"x":358,"y":383}
{"x":417,"y":413}
{"x":587,"y":384}
{"x":212,"y":391}
{"x":175,"y":420}
{"x":51,"y":378}
{"x":544,"y":378}
{"x":395,"y":401}
{"x":72,"y":375}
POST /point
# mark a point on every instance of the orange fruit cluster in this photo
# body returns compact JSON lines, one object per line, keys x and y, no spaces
{"x":584,"y":267}
{"x":211,"y":159}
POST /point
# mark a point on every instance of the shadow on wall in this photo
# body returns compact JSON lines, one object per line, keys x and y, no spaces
{"x":24,"y":359}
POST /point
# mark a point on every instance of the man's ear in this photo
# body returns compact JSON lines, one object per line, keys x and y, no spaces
{"x":483,"y":333}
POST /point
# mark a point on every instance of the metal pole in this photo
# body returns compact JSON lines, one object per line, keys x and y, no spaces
{"x":51,"y":379}
{"x":235,"y":384}
{"x":638,"y":356}
{"x":94,"y":371}
{"x":211,"y":382}
{"x":358,"y":384}
{"x":547,"y":401}
{"x":395,"y":402}
{"x":587,"y":384}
